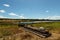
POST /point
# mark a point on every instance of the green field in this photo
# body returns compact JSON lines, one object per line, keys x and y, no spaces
{"x":48,"y":24}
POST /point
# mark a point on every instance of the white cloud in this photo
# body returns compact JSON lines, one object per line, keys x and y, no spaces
{"x":2,"y":11}
{"x":22,"y":17}
{"x":2,"y":17}
{"x":6,"y":5}
{"x":47,"y":11}
{"x":13,"y":14}
{"x":52,"y":17}
{"x":17,"y":16}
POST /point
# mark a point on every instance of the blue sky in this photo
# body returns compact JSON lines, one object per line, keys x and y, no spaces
{"x":30,"y":9}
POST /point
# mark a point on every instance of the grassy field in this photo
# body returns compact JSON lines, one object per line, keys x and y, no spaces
{"x":10,"y":29}
{"x":51,"y":25}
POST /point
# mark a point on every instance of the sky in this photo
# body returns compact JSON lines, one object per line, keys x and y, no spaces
{"x":30,"y":9}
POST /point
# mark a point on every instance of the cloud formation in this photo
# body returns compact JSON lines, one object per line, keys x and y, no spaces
{"x":6,"y":5}
{"x":13,"y":14}
{"x":2,"y":11}
{"x":22,"y":17}
{"x":3,"y":17}
{"x":52,"y":17}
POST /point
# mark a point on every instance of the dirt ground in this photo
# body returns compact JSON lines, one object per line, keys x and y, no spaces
{"x":25,"y":35}
{"x":30,"y":36}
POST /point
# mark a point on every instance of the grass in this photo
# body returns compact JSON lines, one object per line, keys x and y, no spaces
{"x":50,"y":25}
{"x":9,"y":29}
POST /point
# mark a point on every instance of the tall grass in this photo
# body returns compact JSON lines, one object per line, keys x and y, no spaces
{"x":8,"y":29}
